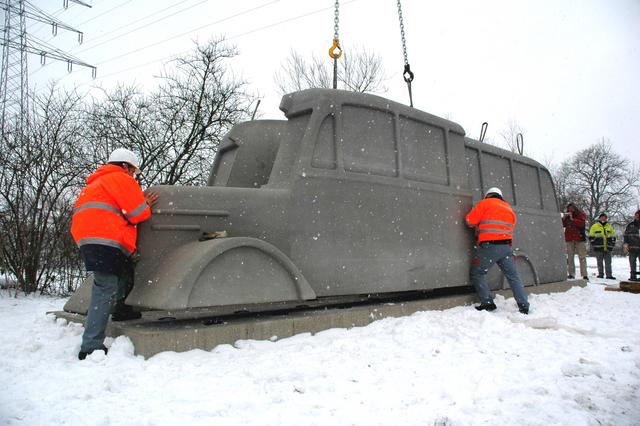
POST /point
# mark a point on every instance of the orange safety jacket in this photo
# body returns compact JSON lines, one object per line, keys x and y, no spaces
{"x":493,"y":219}
{"x":108,"y":209}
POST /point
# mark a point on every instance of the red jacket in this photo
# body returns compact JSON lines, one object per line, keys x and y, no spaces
{"x":493,"y":219}
{"x":574,"y":226}
{"x":108,"y":209}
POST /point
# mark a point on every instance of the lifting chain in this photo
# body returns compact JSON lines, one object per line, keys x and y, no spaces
{"x":335,"y":51}
{"x":407,"y":74}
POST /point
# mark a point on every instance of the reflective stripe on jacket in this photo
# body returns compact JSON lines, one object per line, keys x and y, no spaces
{"x":602,"y":236}
{"x":493,"y":219}
{"x":108,"y":209}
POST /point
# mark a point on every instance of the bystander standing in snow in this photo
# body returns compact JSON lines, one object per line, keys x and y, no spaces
{"x":602,"y":237}
{"x":495,"y":222}
{"x":104,"y":228}
{"x":632,"y":245}
{"x":574,"y":222}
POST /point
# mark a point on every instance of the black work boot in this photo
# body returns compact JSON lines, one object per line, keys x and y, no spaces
{"x":524,"y":309}
{"x":82,"y":355}
{"x":125,"y":313}
{"x":486,"y":307}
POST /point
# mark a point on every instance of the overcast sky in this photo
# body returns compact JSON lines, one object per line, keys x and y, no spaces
{"x":566,"y":71}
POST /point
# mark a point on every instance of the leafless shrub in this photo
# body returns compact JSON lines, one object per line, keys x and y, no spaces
{"x":176,"y":129}
{"x":359,"y":70}
{"x":40,"y":170}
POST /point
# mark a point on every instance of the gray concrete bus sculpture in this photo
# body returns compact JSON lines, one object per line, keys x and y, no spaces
{"x":353,"y":195}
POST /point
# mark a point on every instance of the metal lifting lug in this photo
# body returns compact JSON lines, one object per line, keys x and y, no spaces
{"x":520,"y":143}
{"x":483,"y":131}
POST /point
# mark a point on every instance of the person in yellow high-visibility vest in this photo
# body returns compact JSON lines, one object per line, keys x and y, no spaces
{"x":602,"y":237}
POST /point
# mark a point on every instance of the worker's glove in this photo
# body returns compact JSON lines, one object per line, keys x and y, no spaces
{"x":625,"y":249}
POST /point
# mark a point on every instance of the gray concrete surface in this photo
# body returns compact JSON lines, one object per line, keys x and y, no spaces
{"x":352,"y":194}
{"x":151,"y":335}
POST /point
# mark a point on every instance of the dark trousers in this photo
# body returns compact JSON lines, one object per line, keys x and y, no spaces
{"x":633,"y":259}
{"x":606,"y":257}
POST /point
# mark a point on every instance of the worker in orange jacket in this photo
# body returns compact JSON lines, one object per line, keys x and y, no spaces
{"x":103,"y":226}
{"x":494,"y":221}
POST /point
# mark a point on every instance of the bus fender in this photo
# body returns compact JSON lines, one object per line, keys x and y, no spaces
{"x":222,"y":271}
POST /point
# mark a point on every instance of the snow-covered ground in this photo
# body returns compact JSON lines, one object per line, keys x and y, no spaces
{"x":575,"y":360}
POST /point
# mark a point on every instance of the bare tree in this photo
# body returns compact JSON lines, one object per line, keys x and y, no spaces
{"x":560,"y":176}
{"x":40,"y":172}
{"x":599,"y":180}
{"x":359,"y":70}
{"x":177,"y":128}
{"x":509,"y":135}
{"x":296,"y":74}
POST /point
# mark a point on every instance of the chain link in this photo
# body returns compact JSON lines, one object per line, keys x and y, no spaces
{"x":404,"y":41}
{"x":336,"y":20}
{"x":407,"y":74}
{"x":335,"y":52}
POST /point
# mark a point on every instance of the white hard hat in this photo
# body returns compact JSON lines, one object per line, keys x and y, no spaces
{"x":493,"y":190}
{"x":123,"y":155}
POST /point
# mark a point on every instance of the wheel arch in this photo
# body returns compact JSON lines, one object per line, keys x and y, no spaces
{"x":224,"y":271}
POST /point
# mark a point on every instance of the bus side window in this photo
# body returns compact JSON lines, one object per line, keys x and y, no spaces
{"x":324,"y":151}
{"x":548,"y":194}
{"x":473,"y":173}
{"x":423,"y":151}
{"x":369,"y":148}
{"x":527,"y":187}
{"x":496,"y":171}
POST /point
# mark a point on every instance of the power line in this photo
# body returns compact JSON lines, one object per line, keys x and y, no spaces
{"x":37,"y":26}
{"x":165,"y":58}
{"x":55,"y":53}
{"x":146,"y":25}
{"x":136,"y":21}
{"x":244,"y":12}
{"x":16,"y":44}
{"x":146,"y":17}
{"x":39,"y":15}
{"x":104,"y":13}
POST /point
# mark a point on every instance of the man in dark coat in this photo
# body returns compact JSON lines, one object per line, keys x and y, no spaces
{"x":632,"y":245}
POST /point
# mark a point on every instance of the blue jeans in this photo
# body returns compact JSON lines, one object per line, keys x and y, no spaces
{"x":106,"y":290}
{"x":487,"y":255}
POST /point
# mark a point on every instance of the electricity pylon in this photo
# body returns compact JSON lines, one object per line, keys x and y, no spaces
{"x":14,"y":87}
